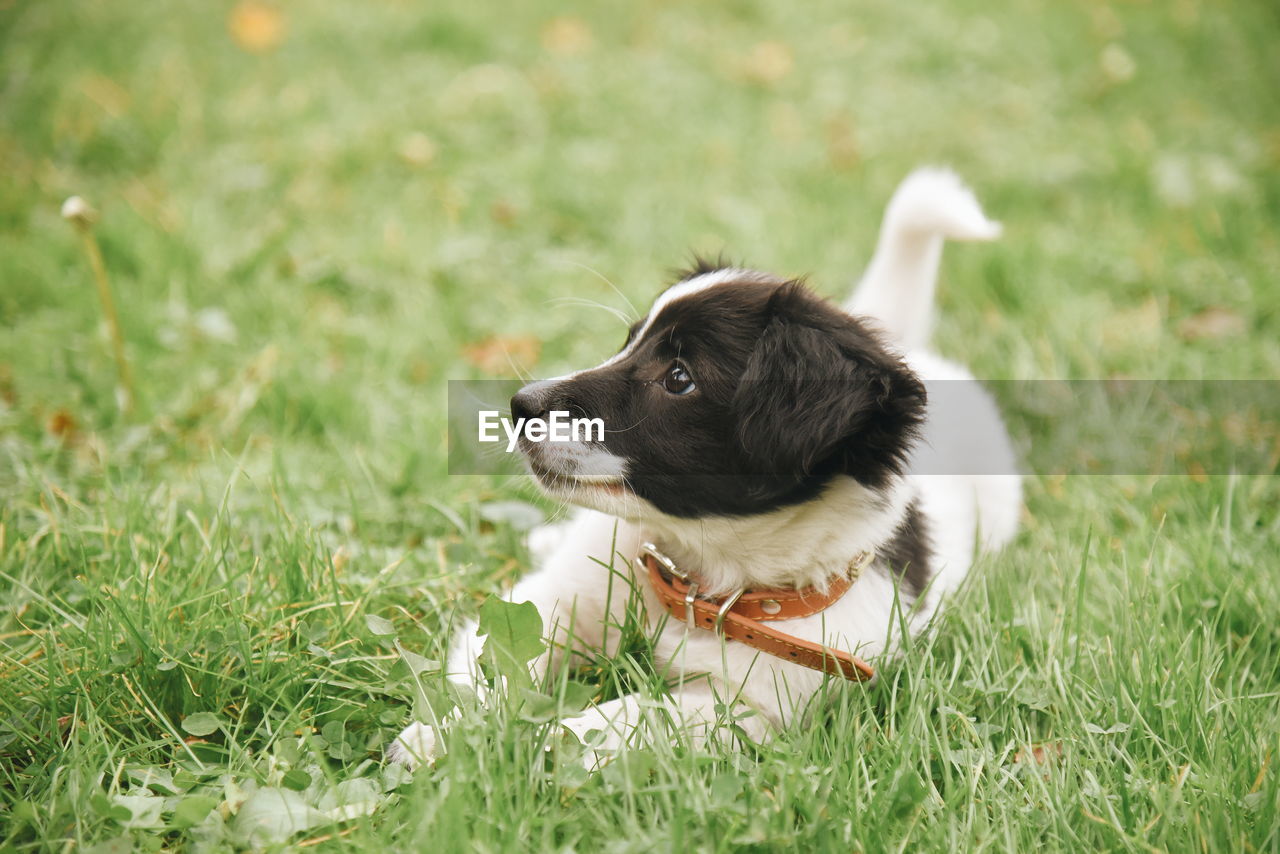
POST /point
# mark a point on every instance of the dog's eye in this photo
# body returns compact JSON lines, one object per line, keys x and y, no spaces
{"x":678,"y":380}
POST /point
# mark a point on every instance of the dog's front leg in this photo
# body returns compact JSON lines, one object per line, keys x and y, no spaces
{"x":581,"y":592}
{"x":417,"y":743}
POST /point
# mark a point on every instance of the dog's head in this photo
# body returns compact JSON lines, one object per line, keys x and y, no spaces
{"x":739,"y":393}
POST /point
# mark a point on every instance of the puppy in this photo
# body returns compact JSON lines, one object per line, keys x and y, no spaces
{"x":759,"y":438}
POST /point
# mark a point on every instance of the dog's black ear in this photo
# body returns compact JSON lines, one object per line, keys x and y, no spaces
{"x":822,"y":394}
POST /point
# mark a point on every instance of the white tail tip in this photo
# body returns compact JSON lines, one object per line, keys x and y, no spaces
{"x":935,"y":201}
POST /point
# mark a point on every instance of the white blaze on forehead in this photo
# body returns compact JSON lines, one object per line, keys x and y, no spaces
{"x":678,"y":291}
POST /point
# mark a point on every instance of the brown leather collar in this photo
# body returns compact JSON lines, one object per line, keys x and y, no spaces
{"x":742,"y":616}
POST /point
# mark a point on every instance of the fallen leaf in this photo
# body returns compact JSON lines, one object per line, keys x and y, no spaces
{"x":256,"y":27}
{"x":419,"y":371}
{"x":8,"y":393}
{"x":106,"y":93}
{"x":503,"y":355}
{"x":1271,"y":146}
{"x":1039,"y":754}
{"x":842,"y":142}
{"x":61,"y":424}
{"x":786,"y":123}
{"x":1174,"y":180}
{"x":503,"y":212}
{"x":768,"y":62}
{"x":1133,"y":326}
{"x":1117,"y":64}
{"x":1213,"y":323}
{"x":1106,"y":23}
{"x":418,"y":149}
{"x":566,"y":35}
{"x":215,"y":324}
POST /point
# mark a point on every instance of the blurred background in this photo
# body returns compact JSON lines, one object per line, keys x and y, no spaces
{"x":314,"y":213}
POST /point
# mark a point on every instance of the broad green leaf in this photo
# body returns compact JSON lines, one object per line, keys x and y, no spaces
{"x":411,"y":665}
{"x":106,"y":808}
{"x":1033,"y":697}
{"x":273,"y":815}
{"x":184,"y":779}
{"x":144,"y":810}
{"x":630,"y":770}
{"x":573,"y":776}
{"x":286,"y":749}
{"x":539,"y":708}
{"x":156,"y":779}
{"x":201,"y":723}
{"x":351,"y":798}
{"x":725,"y":788}
{"x":576,"y":697}
{"x":192,"y":810}
{"x":514,"y":636}
{"x":379,"y":625}
{"x":334,"y":732}
{"x":355,"y":791}
{"x":296,"y":779}
{"x":536,"y":708}
{"x":394,"y":775}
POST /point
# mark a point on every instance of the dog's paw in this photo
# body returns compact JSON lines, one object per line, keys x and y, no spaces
{"x":416,"y":745}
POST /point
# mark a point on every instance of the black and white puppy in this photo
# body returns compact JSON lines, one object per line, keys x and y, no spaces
{"x":762,"y":437}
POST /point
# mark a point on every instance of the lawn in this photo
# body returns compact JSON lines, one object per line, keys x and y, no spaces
{"x":219,"y":605}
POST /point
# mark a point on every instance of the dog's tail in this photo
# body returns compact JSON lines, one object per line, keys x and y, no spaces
{"x":897,"y":288}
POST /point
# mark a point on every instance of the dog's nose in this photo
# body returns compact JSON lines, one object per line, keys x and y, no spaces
{"x":533,"y":400}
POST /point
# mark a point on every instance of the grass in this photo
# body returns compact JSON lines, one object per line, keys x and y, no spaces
{"x":208,"y":599}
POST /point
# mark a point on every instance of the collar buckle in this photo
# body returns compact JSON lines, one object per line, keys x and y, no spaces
{"x":668,"y":568}
{"x":726,"y":607}
{"x":667,"y":564}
